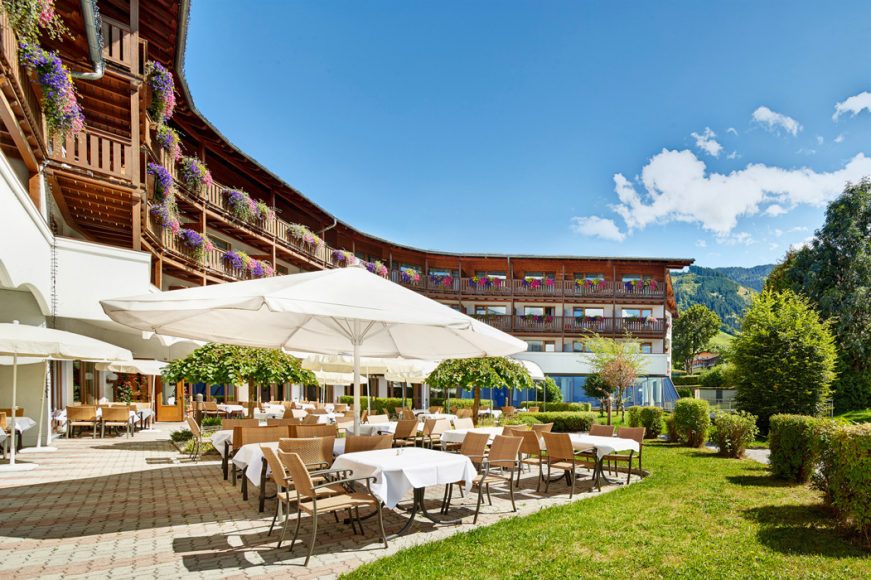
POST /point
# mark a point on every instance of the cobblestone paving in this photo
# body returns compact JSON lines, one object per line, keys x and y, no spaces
{"x":122,"y":508}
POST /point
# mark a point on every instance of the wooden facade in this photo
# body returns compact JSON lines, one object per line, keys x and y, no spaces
{"x":101,"y":192}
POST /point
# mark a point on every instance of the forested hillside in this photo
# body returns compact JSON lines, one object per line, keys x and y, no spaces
{"x":726,"y":291}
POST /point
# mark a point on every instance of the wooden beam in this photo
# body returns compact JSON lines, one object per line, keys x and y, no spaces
{"x":17,"y":135}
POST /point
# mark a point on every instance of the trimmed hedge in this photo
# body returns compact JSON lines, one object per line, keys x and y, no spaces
{"x":685,"y":392}
{"x":651,"y":419}
{"x":671,"y":429}
{"x":380,"y":405}
{"x":694,"y":380}
{"x":566,"y":422}
{"x":793,"y":441}
{"x":692,"y":420}
{"x":850,"y":477}
{"x":560,"y":407}
{"x":733,"y":432}
{"x":460,"y":403}
{"x":522,"y":419}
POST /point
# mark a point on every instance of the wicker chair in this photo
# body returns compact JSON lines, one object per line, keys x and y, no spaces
{"x":247,"y":435}
{"x":533,"y":409}
{"x":436,"y":409}
{"x":280,"y":477}
{"x":82,"y":416}
{"x":378,"y":419}
{"x":318,"y":411}
{"x":474,"y":447}
{"x":211,"y":408}
{"x":340,"y":408}
{"x":508,"y":411}
{"x":561,"y":455}
{"x":405,"y":434}
{"x":197,"y":433}
{"x":310,"y":419}
{"x":303,"y":431}
{"x":357,"y":443}
{"x":464,"y":413}
{"x":315,"y":452}
{"x":503,"y":457}
{"x":283,"y":422}
{"x":602,"y":430}
{"x":309,"y":502}
{"x":116,"y":417}
{"x":530,"y":454}
{"x":407,"y":415}
{"x":294,"y":413}
{"x":634,"y":433}
{"x":542,"y":428}
{"x":464,"y":423}
{"x":432,"y":432}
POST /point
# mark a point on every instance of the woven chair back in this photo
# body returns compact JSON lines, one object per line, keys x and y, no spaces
{"x":302,"y":481}
{"x":559,"y":446}
{"x":81,"y":413}
{"x":474,"y":444}
{"x":405,"y":429}
{"x":602,"y":430}
{"x":230,"y":424}
{"x":464,"y":423}
{"x":504,"y":451}
{"x":316,"y":431}
{"x":357,"y":443}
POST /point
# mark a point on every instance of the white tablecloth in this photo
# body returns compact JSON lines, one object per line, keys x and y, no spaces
{"x":218,"y":439}
{"x":495,"y":413}
{"x":21,"y":423}
{"x":398,"y":471}
{"x":604,"y":445}
{"x":231,"y":408}
{"x":458,"y":435}
{"x":378,"y":428}
{"x":425,"y":416}
{"x":250,"y":458}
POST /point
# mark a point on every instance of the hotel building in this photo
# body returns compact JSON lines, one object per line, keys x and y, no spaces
{"x":81,"y":222}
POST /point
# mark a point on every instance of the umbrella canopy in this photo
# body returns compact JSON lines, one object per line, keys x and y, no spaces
{"x":533,"y":369}
{"x":411,"y":371}
{"x":338,"y":311}
{"x":134,"y":366}
{"x":20,"y":340}
{"x":333,"y":378}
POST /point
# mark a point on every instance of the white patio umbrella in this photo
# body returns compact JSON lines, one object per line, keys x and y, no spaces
{"x":410,"y":371}
{"x":325,"y":378}
{"x":534,"y":371}
{"x":338,"y":311}
{"x":20,"y":340}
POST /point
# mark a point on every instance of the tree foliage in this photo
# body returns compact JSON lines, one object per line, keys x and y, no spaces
{"x":784,"y":357}
{"x":490,"y":372}
{"x":226,"y":364}
{"x":619,"y":363}
{"x":834,"y":272}
{"x":693,"y":331}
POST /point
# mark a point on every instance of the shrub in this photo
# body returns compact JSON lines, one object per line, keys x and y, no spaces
{"x":560,"y":407}
{"x":635,"y":416}
{"x":671,"y":429}
{"x":823,"y":440}
{"x":651,"y":419}
{"x":691,"y":421}
{"x":793,"y":443}
{"x":685,"y":392}
{"x":566,"y":422}
{"x":850,"y":478}
{"x":379,"y":405}
{"x":732,"y":432}
{"x":522,"y":419}
{"x":686,"y":380}
{"x":720,"y":377}
{"x":181,"y":435}
{"x":461,"y":403}
{"x":205,"y":448}
{"x":211,"y":422}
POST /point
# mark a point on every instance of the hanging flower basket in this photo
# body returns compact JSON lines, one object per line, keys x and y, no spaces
{"x":486,"y":282}
{"x":445,"y":280}
{"x":168,"y":140}
{"x":305,"y":237}
{"x":164,"y":186}
{"x":162,"y":86}
{"x":60,"y":104}
{"x":239,"y":204}
{"x":343,"y":257}
{"x":198,"y":244}
{"x":377,"y":267}
{"x":235,"y":260}
{"x":409,"y":276}
{"x":167,"y":215}
{"x":194,"y":174}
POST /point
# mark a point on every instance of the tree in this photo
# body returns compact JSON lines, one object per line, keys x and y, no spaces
{"x":619,"y":362}
{"x":693,"y":330}
{"x":226,"y":364}
{"x":780,"y":279}
{"x":596,"y":387}
{"x":834,"y":272}
{"x":552,"y":392}
{"x":473,"y":374}
{"x":784,"y":357}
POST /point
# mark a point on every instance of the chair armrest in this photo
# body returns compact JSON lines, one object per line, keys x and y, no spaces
{"x":329,"y":471}
{"x":369,"y":479}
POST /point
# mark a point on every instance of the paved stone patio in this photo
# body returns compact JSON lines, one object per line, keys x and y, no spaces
{"x":121,"y":508}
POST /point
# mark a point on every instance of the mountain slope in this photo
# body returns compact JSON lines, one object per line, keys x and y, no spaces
{"x":726,"y":291}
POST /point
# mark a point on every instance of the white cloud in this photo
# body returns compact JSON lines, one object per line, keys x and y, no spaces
{"x":597,"y":227}
{"x":775,"y":210}
{"x":733,"y":155}
{"x":839,"y":138}
{"x":706,"y":142}
{"x":701,"y":244}
{"x":732,"y":130}
{"x":773,"y":121}
{"x":736,"y":239}
{"x":853,"y":105}
{"x":773,"y":245}
{"x":677,"y":187}
{"x":820,"y":140}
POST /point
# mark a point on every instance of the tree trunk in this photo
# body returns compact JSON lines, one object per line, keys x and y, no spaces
{"x":476,"y":404}
{"x":252,"y":395}
{"x":609,"y":410}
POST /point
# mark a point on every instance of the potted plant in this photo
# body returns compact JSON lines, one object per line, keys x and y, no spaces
{"x":60,"y":105}
{"x":194,"y":174}
{"x":162,"y":86}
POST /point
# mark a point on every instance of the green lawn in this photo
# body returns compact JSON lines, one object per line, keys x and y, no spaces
{"x":722,"y":341}
{"x":860,"y":416}
{"x":695,"y":516}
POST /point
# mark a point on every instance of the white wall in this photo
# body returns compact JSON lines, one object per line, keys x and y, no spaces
{"x":575,"y":363}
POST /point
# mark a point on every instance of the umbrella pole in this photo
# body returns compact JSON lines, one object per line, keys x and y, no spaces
{"x":42,"y":410}
{"x":356,"y":378}
{"x":14,"y":389}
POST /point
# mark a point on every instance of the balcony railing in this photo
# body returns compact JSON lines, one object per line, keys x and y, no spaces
{"x":9,"y":49}
{"x":95,"y":151}
{"x":532,"y":324}
{"x":118,"y":44}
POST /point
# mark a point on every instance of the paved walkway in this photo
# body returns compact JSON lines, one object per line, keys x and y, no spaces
{"x":119,"y":508}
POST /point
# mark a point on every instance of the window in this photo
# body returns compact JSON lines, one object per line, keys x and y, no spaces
{"x":482,"y":310}
{"x":579,"y":346}
{"x":585,"y":312}
{"x":589,"y":276}
{"x":646,"y":348}
{"x":220,"y":244}
{"x":500,"y":275}
{"x":281,"y":270}
{"x":534,"y":275}
{"x":440,"y":272}
{"x":637,"y":312}
{"x":538,"y":310}
{"x":541,"y":345}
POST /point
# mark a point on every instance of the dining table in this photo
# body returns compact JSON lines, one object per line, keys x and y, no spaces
{"x":410,"y":469}
{"x":454,"y":436}
{"x":603,"y":446}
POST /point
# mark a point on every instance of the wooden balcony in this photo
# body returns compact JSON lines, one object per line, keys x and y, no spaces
{"x":26,"y":103}
{"x":95,"y":151}
{"x":544,"y":324}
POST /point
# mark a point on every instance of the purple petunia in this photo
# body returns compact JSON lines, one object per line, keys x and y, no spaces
{"x":194,"y":173}
{"x":63,"y":114}
{"x":233,"y":260}
{"x":162,"y":91}
{"x":169,"y":140}
{"x":163,"y":183}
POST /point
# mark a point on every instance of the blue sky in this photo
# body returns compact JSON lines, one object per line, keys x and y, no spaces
{"x":694,"y":129}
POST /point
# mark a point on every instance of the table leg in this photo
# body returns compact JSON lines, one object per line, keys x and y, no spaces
{"x":225,"y":461}
{"x":262,"y":497}
{"x":244,"y":485}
